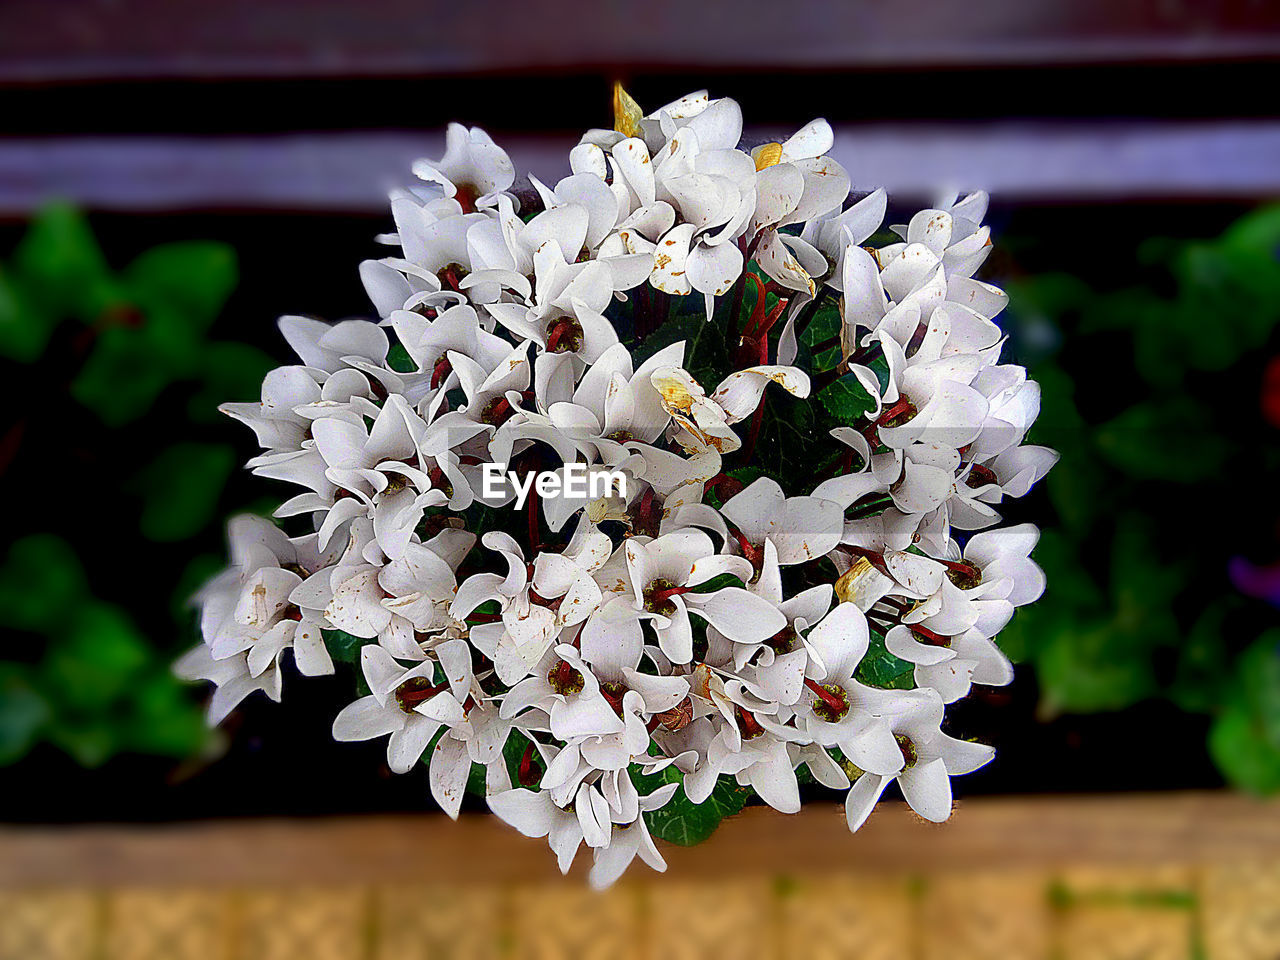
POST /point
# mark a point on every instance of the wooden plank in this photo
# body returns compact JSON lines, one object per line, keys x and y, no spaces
{"x":1015,"y":832}
{"x":96,"y":39}
{"x":692,"y":920}
{"x":1116,"y":913}
{"x":841,"y":917}
{"x":350,"y":172}
{"x":49,"y":924}
{"x":987,"y":912}
{"x":441,"y":921}
{"x":167,"y":924}
{"x":550,"y":922}
{"x":1240,"y":905}
{"x":303,"y":922}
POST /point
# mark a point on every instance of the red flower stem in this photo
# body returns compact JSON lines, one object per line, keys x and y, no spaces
{"x":929,"y":637}
{"x":660,"y":597}
{"x":528,"y":777}
{"x":720,"y":482}
{"x":557,"y":334}
{"x":750,"y":726}
{"x":440,"y":372}
{"x":749,"y":550}
{"x":834,"y":703}
{"x":414,"y":697}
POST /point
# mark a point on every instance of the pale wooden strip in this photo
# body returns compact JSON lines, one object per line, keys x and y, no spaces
{"x":441,"y":921}
{"x":725,"y":918}
{"x":347,"y":171}
{"x":167,"y":924}
{"x":1240,"y":907}
{"x":1029,"y":833}
{"x":303,"y":923}
{"x":841,"y":917}
{"x":977,"y":915}
{"x":49,"y":924}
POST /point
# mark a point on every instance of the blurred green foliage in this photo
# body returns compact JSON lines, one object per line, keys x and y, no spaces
{"x":119,"y":373}
{"x":1168,"y":470}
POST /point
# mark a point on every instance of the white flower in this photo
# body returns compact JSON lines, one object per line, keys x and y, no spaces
{"x":719,"y":613}
{"x":535,"y":815}
{"x":663,"y":575}
{"x":254,"y":607}
{"x":800,"y":528}
{"x":795,"y":183}
{"x":231,"y":679}
{"x":535,"y":608}
{"x":404,"y":702}
{"x":628,"y":841}
{"x":930,"y":758}
{"x":563,"y":687}
{"x":473,"y":166}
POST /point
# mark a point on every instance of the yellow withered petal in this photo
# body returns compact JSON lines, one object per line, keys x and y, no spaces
{"x":847,"y":586}
{"x":626,"y":112}
{"x":767,"y":155}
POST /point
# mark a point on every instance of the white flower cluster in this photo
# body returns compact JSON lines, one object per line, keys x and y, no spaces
{"x":700,"y":629}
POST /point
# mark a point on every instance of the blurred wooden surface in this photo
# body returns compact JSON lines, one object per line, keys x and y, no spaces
{"x":1179,"y":876}
{"x":95,"y":39}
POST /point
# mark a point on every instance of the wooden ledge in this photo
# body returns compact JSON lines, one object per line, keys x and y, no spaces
{"x":1011,"y":833}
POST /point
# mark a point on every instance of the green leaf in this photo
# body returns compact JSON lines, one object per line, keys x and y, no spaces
{"x":1089,"y":667}
{"x":25,"y":329}
{"x":163,"y":718}
{"x":181,"y":488}
{"x":704,"y":349}
{"x":61,"y":266}
{"x":174,"y":292}
{"x":880,"y":668}
{"x":134,"y":360}
{"x":96,"y":662}
{"x":789,"y":435}
{"x":191,"y":280}
{"x":823,"y":327}
{"x":1204,"y":679}
{"x":1245,"y":738}
{"x":846,"y":400}
{"x":398,"y":359}
{"x":40,"y":582}
{"x":682,"y":821}
{"x":90,"y":742}
{"x":23,"y":711}
{"x":718,"y":582}
{"x":343,"y":647}
{"x":1164,"y":440}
